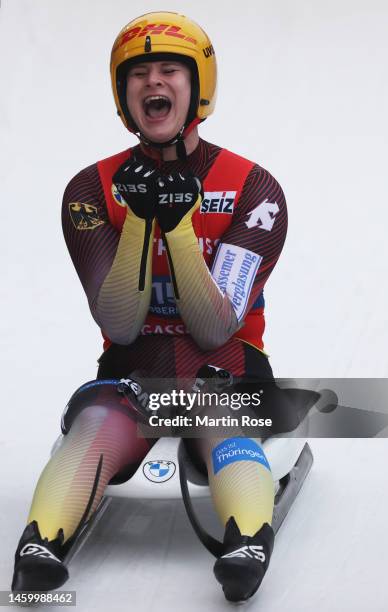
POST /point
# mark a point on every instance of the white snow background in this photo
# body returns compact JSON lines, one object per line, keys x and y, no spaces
{"x":303,"y":92}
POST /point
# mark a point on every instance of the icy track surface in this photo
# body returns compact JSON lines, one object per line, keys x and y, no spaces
{"x":330,"y":554}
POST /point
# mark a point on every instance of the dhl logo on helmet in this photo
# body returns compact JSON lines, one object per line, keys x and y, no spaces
{"x":154,"y":29}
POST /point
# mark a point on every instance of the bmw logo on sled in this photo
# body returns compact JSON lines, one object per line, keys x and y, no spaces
{"x":159,"y":471}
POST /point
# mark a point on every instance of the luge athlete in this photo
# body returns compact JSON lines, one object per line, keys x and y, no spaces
{"x":173,"y":241}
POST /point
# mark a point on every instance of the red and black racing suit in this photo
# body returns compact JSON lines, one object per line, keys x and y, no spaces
{"x":243,"y":207}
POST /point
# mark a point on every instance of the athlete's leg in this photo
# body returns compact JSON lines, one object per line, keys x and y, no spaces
{"x":239,"y":475}
{"x":242,"y":491}
{"x":100,"y":444}
{"x":240,"y":481}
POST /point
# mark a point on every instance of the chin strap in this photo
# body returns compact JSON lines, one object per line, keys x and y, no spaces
{"x":181,"y":149}
{"x":178,"y":140}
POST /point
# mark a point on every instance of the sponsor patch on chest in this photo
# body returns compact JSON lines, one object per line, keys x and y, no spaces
{"x":218,"y":202}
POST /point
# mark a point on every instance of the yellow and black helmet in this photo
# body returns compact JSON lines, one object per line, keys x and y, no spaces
{"x":162,"y":35}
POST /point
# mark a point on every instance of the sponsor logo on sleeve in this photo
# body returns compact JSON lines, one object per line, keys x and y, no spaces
{"x":263,"y":216}
{"x":234,"y":271}
{"x":206,"y":245}
{"x":84,"y":216}
{"x":237,"y":449}
{"x":162,"y":297}
{"x":218,"y":202}
{"x":169,"y":329}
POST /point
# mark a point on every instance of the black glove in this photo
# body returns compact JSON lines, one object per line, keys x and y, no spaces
{"x":177,"y":195}
{"x":134,"y":184}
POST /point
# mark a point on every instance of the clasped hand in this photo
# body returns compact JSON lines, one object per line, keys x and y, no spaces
{"x":149,"y":194}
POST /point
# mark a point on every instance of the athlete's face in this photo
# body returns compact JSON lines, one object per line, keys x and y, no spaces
{"x":158,"y":98}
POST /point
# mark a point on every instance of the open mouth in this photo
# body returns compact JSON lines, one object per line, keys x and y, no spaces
{"x":157,"y":107}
